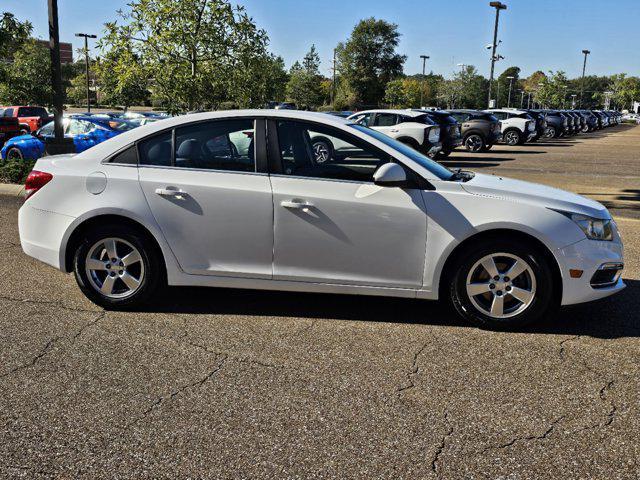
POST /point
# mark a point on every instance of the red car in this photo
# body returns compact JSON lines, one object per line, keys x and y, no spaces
{"x":9,"y":127}
{"x":29,"y":118}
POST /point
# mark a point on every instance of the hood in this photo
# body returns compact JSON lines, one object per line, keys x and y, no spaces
{"x":533,"y":193}
{"x":20,"y":138}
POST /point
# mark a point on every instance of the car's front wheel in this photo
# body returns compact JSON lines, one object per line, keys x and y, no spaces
{"x":502,"y":284}
{"x":14,"y":153}
{"x":116,"y":267}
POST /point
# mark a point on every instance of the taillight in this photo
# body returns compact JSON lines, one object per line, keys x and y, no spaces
{"x":35,"y":181}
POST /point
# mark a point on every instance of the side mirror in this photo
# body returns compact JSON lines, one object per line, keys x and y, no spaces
{"x":390,"y":175}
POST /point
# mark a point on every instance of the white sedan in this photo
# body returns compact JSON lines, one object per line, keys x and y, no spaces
{"x":237,"y":199}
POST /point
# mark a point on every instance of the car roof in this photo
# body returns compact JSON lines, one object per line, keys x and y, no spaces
{"x":506,"y":110}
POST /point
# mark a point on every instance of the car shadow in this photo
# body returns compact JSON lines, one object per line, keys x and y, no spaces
{"x":612,"y":317}
{"x":519,"y":152}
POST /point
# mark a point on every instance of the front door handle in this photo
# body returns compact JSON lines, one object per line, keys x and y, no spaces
{"x":297,"y":204}
{"x":394,"y":130}
{"x":171,"y":192}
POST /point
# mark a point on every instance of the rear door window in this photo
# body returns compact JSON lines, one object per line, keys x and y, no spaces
{"x":385,"y":120}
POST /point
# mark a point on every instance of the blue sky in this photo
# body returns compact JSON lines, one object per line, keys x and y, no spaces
{"x":536,"y":34}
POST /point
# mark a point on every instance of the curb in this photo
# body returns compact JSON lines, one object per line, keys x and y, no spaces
{"x":11,"y":189}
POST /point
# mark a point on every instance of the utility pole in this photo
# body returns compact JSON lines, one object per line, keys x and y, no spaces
{"x":584,"y":67}
{"x":510,"y":85}
{"x":498,"y":6}
{"x":424,"y":64}
{"x":60,"y":144}
{"x":86,"y":64}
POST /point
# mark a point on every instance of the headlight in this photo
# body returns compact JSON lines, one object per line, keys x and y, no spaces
{"x":434,"y":134}
{"x":593,"y":228}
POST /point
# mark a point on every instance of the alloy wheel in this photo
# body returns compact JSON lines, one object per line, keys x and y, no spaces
{"x":512,"y":138}
{"x":114,"y":268}
{"x":321,"y":152}
{"x":501,"y":285}
{"x":549,"y":132}
{"x":473,"y":143}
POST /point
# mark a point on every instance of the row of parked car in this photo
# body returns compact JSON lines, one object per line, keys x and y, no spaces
{"x":438,"y":132}
{"x":26,"y":130}
{"x":86,"y":130}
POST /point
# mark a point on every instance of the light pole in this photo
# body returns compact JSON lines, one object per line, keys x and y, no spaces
{"x":584,"y":67}
{"x":498,"y":6}
{"x":86,"y":64}
{"x":462,"y":66}
{"x":510,"y":85}
{"x":522,"y":99}
{"x":573,"y":101}
{"x":424,"y":64}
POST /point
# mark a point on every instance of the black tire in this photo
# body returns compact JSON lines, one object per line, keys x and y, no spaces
{"x":544,"y":300}
{"x":512,"y":137}
{"x":488,"y":147}
{"x":14,"y":153}
{"x":323,"y":151}
{"x":151,"y":282}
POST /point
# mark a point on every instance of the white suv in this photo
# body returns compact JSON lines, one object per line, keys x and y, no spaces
{"x":412,"y":128}
{"x":517,"y":126}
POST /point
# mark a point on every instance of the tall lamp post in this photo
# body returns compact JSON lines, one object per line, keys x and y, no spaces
{"x":510,"y":85}
{"x":424,"y":64}
{"x":522,"y":99}
{"x":498,"y":6}
{"x":584,"y":67}
{"x":86,"y":64}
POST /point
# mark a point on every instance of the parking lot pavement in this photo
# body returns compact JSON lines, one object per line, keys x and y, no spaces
{"x":238,"y":384}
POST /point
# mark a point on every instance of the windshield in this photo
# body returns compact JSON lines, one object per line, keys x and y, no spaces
{"x":33,"y":112}
{"x":438,"y":170}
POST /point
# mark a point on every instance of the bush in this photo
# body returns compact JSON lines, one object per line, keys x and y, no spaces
{"x":15,"y":171}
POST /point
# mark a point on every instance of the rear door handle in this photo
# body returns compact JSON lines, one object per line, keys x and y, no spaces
{"x":171,"y":192}
{"x":297,"y":204}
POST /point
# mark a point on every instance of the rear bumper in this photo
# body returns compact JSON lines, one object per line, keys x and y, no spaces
{"x":42,"y":233}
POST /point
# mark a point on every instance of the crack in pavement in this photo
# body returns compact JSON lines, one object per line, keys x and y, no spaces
{"x":613,"y":409}
{"x":161,"y":400}
{"x":49,"y":345}
{"x":415,"y":368}
{"x":441,"y":446}
{"x":527,"y":438}
{"x":46,"y":302}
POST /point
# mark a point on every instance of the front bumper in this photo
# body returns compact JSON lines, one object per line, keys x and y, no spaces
{"x":587,"y":256}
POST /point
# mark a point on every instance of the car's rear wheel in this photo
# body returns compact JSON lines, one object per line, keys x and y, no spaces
{"x":116,"y":267}
{"x":502,"y":284}
{"x":512,"y":137}
{"x":474,"y":143}
{"x":14,"y":153}
{"x":549,"y":132}
{"x":322,"y":151}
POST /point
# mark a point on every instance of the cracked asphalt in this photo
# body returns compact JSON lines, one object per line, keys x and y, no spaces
{"x":241,"y":384}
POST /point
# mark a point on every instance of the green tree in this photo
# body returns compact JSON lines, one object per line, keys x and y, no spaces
{"x":13,"y":34}
{"x":195,"y":53}
{"x":503,"y":83}
{"x":27,"y":79}
{"x":409,"y":92}
{"x":553,"y":91}
{"x":305,"y":82}
{"x":368,"y":60}
{"x":625,"y":90}
{"x":121,"y":78}
{"x":465,"y":89}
